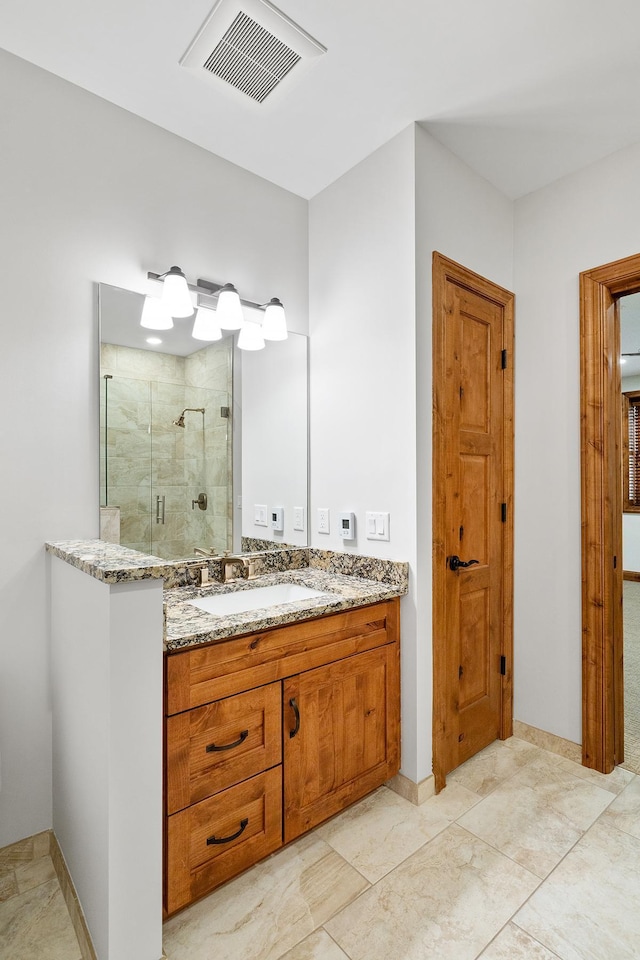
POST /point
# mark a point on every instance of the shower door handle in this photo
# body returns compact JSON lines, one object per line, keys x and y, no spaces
{"x":159,"y":509}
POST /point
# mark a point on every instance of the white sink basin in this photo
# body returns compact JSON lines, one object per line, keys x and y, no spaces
{"x":255,"y":598}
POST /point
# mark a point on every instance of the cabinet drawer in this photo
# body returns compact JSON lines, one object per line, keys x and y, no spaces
{"x":214,"y":840}
{"x":212,"y":747}
{"x":204,"y":674}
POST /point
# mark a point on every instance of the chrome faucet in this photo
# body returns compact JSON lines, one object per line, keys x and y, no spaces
{"x":230,"y":564}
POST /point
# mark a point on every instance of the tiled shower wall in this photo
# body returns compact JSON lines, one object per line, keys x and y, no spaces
{"x":144,"y":456}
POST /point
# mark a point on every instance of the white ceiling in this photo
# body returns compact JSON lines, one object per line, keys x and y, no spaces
{"x":524,"y":91}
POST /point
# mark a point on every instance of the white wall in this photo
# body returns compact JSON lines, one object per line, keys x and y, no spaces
{"x":465,"y":218}
{"x":362,"y":372}
{"x":579,"y":222}
{"x":371,"y":238}
{"x":106,"y":682}
{"x":91,"y":193}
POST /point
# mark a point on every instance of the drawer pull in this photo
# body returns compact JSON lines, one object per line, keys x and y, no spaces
{"x":214,"y":748}
{"x":294,"y":706}
{"x":234,"y":836}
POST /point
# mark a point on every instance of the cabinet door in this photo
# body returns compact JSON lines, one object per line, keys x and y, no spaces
{"x":341,"y":735}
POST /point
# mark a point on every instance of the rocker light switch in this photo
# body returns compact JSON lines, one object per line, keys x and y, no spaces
{"x":377,"y":526}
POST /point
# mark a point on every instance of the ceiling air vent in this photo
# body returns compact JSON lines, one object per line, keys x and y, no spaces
{"x":251,"y":59}
{"x":251,"y":45}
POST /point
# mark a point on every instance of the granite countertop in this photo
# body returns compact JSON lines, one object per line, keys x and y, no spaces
{"x":188,"y":626}
{"x":346,"y":580}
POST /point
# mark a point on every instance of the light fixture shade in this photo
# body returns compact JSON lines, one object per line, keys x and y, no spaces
{"x":274,"y":325}
{"x":206,"y":326}
{"x":229,"y":308}
{"x":175,"y":293}
{"x":250,"y":337}
{"x":155,"y":315}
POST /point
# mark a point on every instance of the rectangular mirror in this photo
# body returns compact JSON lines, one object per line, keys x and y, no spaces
{"x":197,"y":438}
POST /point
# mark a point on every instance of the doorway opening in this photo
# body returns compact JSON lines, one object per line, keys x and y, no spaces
{"x":602,"y":509}
{"x":629,"y":319}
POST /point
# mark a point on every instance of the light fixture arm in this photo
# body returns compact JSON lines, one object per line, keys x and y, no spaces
{"x":209,"y":288}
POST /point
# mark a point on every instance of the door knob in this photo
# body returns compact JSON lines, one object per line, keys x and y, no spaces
{"x":455,"y":562}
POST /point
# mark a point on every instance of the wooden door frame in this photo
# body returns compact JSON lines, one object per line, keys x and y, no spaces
{"x":601,"y":488}
{"x":444,"y":270}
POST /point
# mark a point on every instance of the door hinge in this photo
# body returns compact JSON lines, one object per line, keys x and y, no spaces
{"x":503,"y":512}
{"x":504,"y":360}
{"x":503,"y":666}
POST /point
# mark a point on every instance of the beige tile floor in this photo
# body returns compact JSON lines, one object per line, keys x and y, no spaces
{"x":34,"y":921}
{"x":524,"y":856}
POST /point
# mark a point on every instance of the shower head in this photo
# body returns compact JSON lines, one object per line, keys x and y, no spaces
{"x":180,"y":421}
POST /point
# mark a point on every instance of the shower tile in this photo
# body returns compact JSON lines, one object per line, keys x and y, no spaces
{"x":170,"y":395}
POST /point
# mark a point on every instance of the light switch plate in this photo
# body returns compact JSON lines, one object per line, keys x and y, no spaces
{"x":260,"y":514}
{"x":377,"y":525}
{"x":298,"y":518}
{"x":323,"y":519}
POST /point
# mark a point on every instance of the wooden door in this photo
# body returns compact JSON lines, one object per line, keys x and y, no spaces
{"x":341,"y":735}
{"x":473,"y":509}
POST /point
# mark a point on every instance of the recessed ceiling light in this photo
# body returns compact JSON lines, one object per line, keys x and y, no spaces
{"x":154,"y":341}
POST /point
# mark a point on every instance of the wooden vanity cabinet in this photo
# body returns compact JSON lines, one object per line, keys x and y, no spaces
{"x":269,"y":734}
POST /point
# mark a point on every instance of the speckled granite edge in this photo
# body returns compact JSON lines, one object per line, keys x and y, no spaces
{"x":108,"y":561}
{"x":112,"y":563}
{"x":188,"y":626}
{"x":254,"y":544}
{"x":393,"y":572}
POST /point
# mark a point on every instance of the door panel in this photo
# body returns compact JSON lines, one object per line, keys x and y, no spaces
{"x":472,"y":481}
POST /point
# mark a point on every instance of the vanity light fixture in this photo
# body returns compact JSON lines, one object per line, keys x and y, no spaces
{"x":175,"y":293}
{"x":155,"y":315}
{"x":228,"y":314}
{"x":251,"y":336}
{"x":229,"y":309}
{"x":274,"y":325}
{"x":206,"y":325}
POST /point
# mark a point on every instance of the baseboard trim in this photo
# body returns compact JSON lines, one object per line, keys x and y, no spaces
{"x":548,"y":741}
{"x":416,"y":793}
{"x":71,"y":900}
